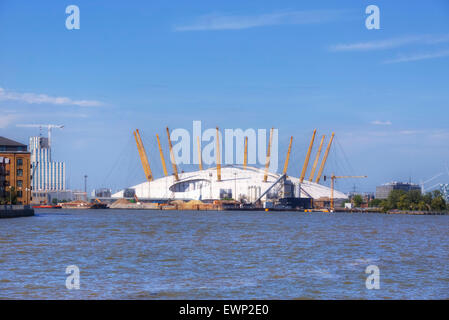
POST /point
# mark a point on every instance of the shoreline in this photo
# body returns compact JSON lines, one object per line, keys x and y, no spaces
{"x":15,"y":211}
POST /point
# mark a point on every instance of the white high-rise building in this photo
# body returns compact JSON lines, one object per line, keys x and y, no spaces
{"x":46,"y":174}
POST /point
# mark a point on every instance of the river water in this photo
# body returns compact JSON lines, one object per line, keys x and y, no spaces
{"x":125,"y":254}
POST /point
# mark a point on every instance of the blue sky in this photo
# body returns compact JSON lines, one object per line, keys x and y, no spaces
{"x":293,"y":65}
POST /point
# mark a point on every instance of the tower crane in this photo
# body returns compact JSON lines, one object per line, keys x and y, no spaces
{"x":333,"y":177}
{"x":40,"y":126}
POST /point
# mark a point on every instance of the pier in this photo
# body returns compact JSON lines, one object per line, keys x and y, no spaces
{"x":15,"y":211}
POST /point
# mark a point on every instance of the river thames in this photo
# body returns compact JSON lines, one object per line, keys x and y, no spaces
{"x":223,"y":255}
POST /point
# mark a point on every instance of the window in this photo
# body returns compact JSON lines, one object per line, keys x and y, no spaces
{"x":19,"y":172}
{"x":20,"y":162}
{"x":19,"y":194}
{"x":19,"y":183}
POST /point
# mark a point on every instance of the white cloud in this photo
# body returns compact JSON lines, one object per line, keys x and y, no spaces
{"x":381,"y":123}
{"x":410,"y":132}
{"x":418,"y":56}
{"x":233,"y":22}
{"x":7,"y":119}
{"x":34,"y":98}
{"x":392,"y":43}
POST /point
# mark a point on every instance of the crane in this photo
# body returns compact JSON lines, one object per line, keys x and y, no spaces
{"x":40,"y":126}
{"x":333,"y":177}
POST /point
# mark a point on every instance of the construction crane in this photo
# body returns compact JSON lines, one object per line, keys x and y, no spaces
{"x":40,"y":126}
{"x":306,"y":161}
{"x":333,"y":177}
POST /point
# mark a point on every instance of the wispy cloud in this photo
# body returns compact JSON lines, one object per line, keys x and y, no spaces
{"x":381,"y":123}
{"x":410,"y":132}
{"x":234,"y":22}
{"x":392,"y":43}
{"x":7,"y":119}
{"x":418,"y":56}
{"x":35,"y":98}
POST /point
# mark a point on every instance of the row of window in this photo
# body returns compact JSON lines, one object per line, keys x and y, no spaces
{"x":19,"y":161}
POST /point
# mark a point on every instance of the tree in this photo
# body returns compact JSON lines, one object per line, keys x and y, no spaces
{"x":393,"y":199}
{"x":438,"y":203}
{"x":357,"y":200}
{"x":422,"y":206}
{"x":404,"y":202}
{"x":375,"y":203}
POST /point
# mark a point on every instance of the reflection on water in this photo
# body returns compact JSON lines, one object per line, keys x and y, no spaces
{"x":221,"y":255}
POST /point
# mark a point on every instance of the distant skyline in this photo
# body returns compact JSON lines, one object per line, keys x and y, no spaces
{"x":293,"y":65}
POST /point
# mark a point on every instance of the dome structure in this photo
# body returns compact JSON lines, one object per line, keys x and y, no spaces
{"x":239,"y":183}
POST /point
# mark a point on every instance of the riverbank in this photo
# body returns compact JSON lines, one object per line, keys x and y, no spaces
{"x":426,"y":213}
{"x":15,"y":211}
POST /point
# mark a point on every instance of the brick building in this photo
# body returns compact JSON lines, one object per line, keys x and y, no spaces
{"x":15,"y":172}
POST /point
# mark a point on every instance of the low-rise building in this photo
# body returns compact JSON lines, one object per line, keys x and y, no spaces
{"x":383,"y":191}
{"x":15,"y":172}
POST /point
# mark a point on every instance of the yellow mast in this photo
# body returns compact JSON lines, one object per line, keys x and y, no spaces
{"x":323,"y":162}
{"x":306,"y":161}
{"x":317,"y":158}
{"x":143,"y":156}
{"x":288,"y":156}
{"x":172,"y":156}
{"x":245,"y":156}
{"x":267,"y":162}
{"x":218,"y":158}
{"x":199,"y":153}
{"x":162,"y":155}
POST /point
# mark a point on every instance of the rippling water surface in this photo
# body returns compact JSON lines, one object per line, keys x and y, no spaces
{"x":221,"y":255}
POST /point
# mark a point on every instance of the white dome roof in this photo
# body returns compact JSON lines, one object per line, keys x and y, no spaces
{"x":236,"y":183}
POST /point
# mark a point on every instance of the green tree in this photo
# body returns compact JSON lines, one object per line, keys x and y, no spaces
{"x":393,"y":199}
{"x":375,"y":203}
{"x":357,"y":200}
{"x":438,"y":203}
{"x":422,"y":206}
{"x":404,"y":202}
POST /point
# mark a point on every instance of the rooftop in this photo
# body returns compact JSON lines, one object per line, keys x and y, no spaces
{"x":8,"y":145}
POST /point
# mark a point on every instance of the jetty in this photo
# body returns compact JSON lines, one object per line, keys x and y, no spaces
{"x":15,"y":211}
